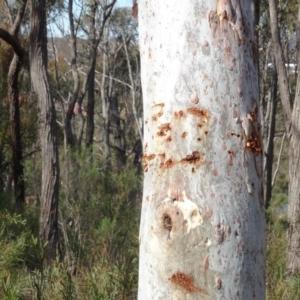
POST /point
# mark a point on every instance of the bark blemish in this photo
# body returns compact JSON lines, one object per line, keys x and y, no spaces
{"x":163,"y":129}
{"x":205,"y":263}
{"x":167,"y":221}
{"x":225,"y":10}
{"x":184,"y":134}
{"x":214,"y":22}
{"x":169,"y":163}
{"x":252,"y":137}
{"x":214,"y":172}
{"x":156,"y":116}
{"x":207,"y":242}
{"x":194,"y":99}
{"x":218,"y":282}
{"x":194,"y":158}
{"x":208,"y":212}
{"x":189,"y":211}
{"x":179,"y":114}
{"x":219,"y":234}
{"x":201,"y":113}
{"x":148,"y":157}
{"x":159,"y":107}
{"x":229,"y":158}
{"x":186,"y":282}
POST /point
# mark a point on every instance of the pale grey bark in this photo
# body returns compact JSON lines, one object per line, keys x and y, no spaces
{"x":202,"y":223}
{"x":293,"y":254}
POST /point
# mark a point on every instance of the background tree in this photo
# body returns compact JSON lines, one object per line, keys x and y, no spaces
{"x":292,"y":124}
{"x":14,"y":101}
{"x":202,"y":226}
{"x":48,"y":226}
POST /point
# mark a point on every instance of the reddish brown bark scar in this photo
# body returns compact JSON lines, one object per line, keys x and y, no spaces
{"x":163,"y":129}
{"x":179,"y":114}
{"x":160,"y":106}
{"x":169,"y":139}
{"x":201,"y":113}
{"x":194,"y":158}
{"x":170,"y":163}
{"x":148,"y":157}
{"x":186,"y":282}
{"x":184,"y":134}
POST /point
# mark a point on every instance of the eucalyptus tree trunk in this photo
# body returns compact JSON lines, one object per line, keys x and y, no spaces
{"x":202,"y":226}
{"x":293,"y":254}
{"x":48,"y":231}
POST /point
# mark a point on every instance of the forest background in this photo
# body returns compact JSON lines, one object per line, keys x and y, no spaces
{"x":94,"y":78}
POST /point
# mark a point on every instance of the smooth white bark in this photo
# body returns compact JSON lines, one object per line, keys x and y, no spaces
{"x":202,"y":225}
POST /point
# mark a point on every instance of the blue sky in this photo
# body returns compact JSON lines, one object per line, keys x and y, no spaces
{"x":122,"y":3}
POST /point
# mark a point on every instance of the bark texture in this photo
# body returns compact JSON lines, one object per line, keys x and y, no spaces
{"x":48,"y":232}
{"x":293,"y":254}
{"x":202,"y":224}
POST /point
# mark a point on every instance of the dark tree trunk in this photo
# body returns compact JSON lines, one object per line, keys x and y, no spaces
{"x":270,"y":140}
{"x":90,"y":109}
{"x":118,"y":132}
{"x":14,"y":109}
{"x":48,"y":232}
{"x":14,"y":116}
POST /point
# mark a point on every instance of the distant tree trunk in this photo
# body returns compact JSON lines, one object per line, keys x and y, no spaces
{"x":90,"y":110}
{"x":283,"y":79}
{"x":269,"y":152}
{"x":14,"y":109}
{"x":293,"y":254}
{"x":91,"y":76}
{"x":14,"y":114}
{"x":292,"y":124}
{"x":118,"y":132}
{"x":202,"y":225}
{"x":70,"y":135}
{"x":48,"y":232}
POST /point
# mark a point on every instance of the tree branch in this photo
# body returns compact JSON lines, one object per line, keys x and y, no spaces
{"x":13,"y":42}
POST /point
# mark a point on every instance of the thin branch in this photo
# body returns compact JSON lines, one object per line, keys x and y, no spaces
{"x":133,"y":89}
{"x":278,"y":160}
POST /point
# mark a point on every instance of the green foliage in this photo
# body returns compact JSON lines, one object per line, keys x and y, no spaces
{"x":279,"y":286}
{"x":99,"y":217}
